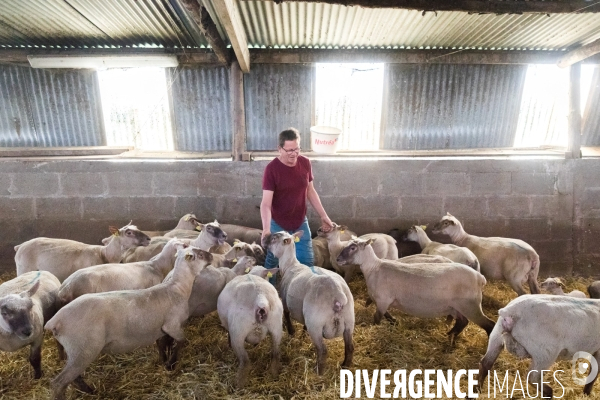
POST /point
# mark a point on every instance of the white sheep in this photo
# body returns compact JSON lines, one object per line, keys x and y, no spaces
{"x":458,"y":254}
{"x":422,"y":290}
{"x":555,"y":286}
{"x":511,"y":260}
{"x":249,"y":308}
{"x":26,"y":303}
{"x":112,"y":277}
{"x":62,"y":257}
{"x":241,"y":248}
{"x":187,"y":223}
{"x":317,"y":298}
{"x":122,"y":321}
{"x":210,"y":238}
{"x":544,"y":328}
{"x":209,"y":283}
{"x":384,"y":246}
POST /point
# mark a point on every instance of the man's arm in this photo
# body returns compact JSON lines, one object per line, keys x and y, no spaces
{"x":265,"y":213}
{"x":315,"y":201}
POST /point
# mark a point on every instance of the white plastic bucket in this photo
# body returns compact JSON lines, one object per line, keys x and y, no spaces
{"x":324,"y":139}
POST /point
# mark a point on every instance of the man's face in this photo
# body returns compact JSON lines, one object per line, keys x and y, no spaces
{"x":290,"y":151}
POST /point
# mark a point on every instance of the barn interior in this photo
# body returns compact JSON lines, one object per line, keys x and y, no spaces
{"x":146,"y":110}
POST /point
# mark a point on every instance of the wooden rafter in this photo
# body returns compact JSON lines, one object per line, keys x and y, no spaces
{"x":579,"y":54}
{"x":232,"y":22}
{"x":473,"y":6}
{"x":208,"y":28}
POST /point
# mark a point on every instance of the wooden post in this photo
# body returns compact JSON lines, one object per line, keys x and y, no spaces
{"x":574,"y":146}
{"x":238,"y":114}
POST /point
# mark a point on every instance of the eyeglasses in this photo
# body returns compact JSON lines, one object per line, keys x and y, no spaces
{"x":291,"y":151}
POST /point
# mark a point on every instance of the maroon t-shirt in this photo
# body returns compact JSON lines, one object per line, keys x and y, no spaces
{"x":288,"y":185}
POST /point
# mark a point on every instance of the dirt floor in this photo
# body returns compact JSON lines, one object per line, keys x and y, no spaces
{"x":208,"y":366}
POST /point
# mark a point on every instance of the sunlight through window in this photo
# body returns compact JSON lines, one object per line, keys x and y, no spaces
{"x":349,"y":97}
{"x":136,"y":108}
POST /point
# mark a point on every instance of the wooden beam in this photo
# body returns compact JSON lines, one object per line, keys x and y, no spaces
{"x":472,"y":6}
{"x":402,"y":56}
{"x":574,"y":145}
{"x":231,"y":21}
{"x":62,"y":151}
{"x":238,"y":114}
{"x":307,"y":56}
{"x":579,"y":54}
{"x":208,"y":28}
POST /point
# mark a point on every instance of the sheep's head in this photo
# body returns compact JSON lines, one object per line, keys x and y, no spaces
{"x":239,"y":249}
{"x":259,"y":253}
{"x":277,"y":243}
{"x":194,"y":257}
{"x":351,"y":250}
{"x":189,"y":222}
{"x":263,"y":272}
{"x":173,"y":246}
{"x":552,"y":284}
{"x":447,"y":225}
{"x":334,"y":232}
{"x":214,"y":230}
{"x":129,"y":236}
{"x":16,"y":312}
{"x":412,"y":233}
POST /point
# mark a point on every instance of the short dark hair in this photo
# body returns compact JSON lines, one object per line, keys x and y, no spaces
{"x":288,"y":134}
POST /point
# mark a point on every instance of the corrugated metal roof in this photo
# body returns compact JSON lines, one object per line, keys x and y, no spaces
{"x":277,"y":96}
{"x":41,"y":108}
{"x":89,"y":23}
{"x":202,"y":109}
{"x":81,"y":23}
{"x":591,"y":127}
{"x":318,"y":24}
{"x":452,"y":106}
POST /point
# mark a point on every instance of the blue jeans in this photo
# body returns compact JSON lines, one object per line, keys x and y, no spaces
{"x":304,"y":250}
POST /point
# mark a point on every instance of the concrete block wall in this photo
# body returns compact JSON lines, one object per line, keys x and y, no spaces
{"x":553,"y":204}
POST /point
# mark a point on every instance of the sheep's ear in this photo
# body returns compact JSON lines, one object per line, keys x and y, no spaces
{"x":199,"y":227}
{"x":32,"y":290}
{"x":287,"y":241}
{"x":448,"y":214}
{"x":298,"y":234}
{"x":423,"y":227}
{"x":560,"y":283}
{"x":369,"y":241}
{"x":187,"y":218}
{"x":354,"y":237}
{"x":270,"y":272}
{"x":342,"y":228}
{"x":236,"y":241}
{"x":114,"y":230}
{"x":216,"y":221}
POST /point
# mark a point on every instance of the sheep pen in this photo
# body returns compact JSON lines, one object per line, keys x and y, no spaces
{"x":207,"y":366}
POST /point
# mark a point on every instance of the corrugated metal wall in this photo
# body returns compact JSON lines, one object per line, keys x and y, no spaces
{"x":277,"y":96}
{"x":591,"y":127}
{"x":43,"y":108}
{"x":202,"y":109}
{"x":452,"y":106}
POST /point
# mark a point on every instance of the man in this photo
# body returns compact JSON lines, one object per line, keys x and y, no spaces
{"x":287,"y":184}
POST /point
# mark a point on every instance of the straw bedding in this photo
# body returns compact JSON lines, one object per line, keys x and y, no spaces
{"x":207,"y":366}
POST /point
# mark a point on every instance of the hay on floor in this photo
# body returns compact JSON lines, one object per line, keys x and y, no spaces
{"x":207,"y":367}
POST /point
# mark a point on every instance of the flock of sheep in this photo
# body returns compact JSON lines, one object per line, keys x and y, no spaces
{"x":140,"y":288}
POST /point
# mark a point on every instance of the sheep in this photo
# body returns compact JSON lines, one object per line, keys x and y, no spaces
{"x":209,"y":283}
{"x":240,"y":249}
{"x":512,"y":260}
{"x":122,"y":321}
{"x":544,"y":328}
{"x":249,"y":308}
{"x":594,"y":290}
{"x":187,"y":223}
{"x":555,"y":286}
{"x":112,"y":277}
{"x":241,"y":233}
{"x":26,"y":303}
{"x":385,"y":247}
{"x":322,"y":257}
{"x":62,"y":257}
{"x":317,"y":298}
{"x":424,"y":258}
{"x":208,"y":239}
{"x":461,"y":255}
{"x":422,"y":290}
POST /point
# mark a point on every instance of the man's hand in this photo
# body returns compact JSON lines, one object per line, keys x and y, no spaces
{"x":262,"y":238}
{"x":326,"y":224}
